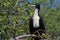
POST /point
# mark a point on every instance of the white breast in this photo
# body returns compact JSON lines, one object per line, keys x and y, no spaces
{"x":36,"y":21}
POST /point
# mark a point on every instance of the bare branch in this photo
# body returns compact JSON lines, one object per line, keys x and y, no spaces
{"x":23,"y":36}
{"x":16,"y":3}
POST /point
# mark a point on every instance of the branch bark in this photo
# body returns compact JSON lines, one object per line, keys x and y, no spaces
{"x":16,"y":3}
{"x":23,"y":36}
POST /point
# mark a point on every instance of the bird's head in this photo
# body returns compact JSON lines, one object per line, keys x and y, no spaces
{"x":37,"y":5}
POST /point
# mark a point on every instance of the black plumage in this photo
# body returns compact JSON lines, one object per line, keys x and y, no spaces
{"x":41,"y":24}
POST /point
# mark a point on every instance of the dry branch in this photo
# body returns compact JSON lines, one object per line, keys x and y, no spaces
{"x":23,"y":36}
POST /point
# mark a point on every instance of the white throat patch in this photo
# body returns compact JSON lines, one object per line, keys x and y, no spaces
{"x":36,"y":19}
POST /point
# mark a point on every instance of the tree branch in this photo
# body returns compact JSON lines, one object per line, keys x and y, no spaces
{"x":16,"y":4}
{"x":23,"y":36}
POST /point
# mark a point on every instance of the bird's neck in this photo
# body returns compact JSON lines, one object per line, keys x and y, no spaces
{"x":36,"y":12}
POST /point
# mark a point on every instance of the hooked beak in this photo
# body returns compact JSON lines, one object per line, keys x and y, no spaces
{"x":31,"y":5}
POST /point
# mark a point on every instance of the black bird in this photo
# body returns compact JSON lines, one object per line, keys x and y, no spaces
{"x":36,"y":22}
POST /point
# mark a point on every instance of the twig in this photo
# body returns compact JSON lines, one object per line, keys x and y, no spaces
{"x":23,"y":36}
{"x":16,"y":4}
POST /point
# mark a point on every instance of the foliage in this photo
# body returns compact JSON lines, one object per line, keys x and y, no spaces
{"x":14,"y":21}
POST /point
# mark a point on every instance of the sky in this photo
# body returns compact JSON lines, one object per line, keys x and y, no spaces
{"x":55,"y":0}
{"x":54,"y":5}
